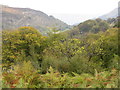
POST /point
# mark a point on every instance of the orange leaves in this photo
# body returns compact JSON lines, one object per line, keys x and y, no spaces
{"x":54,"y":79}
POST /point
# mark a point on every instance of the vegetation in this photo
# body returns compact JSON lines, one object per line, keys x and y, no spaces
{"x":93,"y":26}
{"x":25,"y":76}
{"x":61,"y":60}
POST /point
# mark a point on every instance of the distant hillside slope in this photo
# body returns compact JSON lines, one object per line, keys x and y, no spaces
{"x":112,"y":14}
{"x":91,"y":26}
{"x":16,"y":17}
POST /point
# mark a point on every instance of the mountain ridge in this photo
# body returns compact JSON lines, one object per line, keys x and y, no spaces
{"x":112,"y":14}
{"x":16,"y":17}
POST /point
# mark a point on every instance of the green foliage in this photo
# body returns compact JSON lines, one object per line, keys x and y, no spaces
{"x":101,"y":47}
{"x":54,"y":79}
{"x":26,"y":43}
{"x":82,"y":55}
{"x":59,"y":60}
{"x":89,"y":26}
{"x":21,"y":76}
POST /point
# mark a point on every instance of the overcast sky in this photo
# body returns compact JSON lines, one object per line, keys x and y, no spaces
{"x":70,"y":11}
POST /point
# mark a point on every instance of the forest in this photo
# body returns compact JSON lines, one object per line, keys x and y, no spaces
{"x":86,"y":56}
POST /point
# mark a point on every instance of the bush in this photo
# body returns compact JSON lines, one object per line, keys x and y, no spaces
{"x":54,"y":79}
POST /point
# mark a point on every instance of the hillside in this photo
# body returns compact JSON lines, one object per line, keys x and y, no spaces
{"x":112,"y":14}
{"x":13,"y":18}
{"x":91,"y":26}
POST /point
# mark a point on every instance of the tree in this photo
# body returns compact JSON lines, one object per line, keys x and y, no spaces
{"x":25,"y":43}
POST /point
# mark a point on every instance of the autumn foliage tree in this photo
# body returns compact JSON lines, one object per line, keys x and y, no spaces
{"x":25,"y":43}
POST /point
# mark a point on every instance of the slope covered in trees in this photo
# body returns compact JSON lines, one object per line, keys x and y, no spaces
{"x":84,"y":57}
{"x":92,"y":26}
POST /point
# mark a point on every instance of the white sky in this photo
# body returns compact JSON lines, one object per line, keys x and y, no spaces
{"x":59,"y":8}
